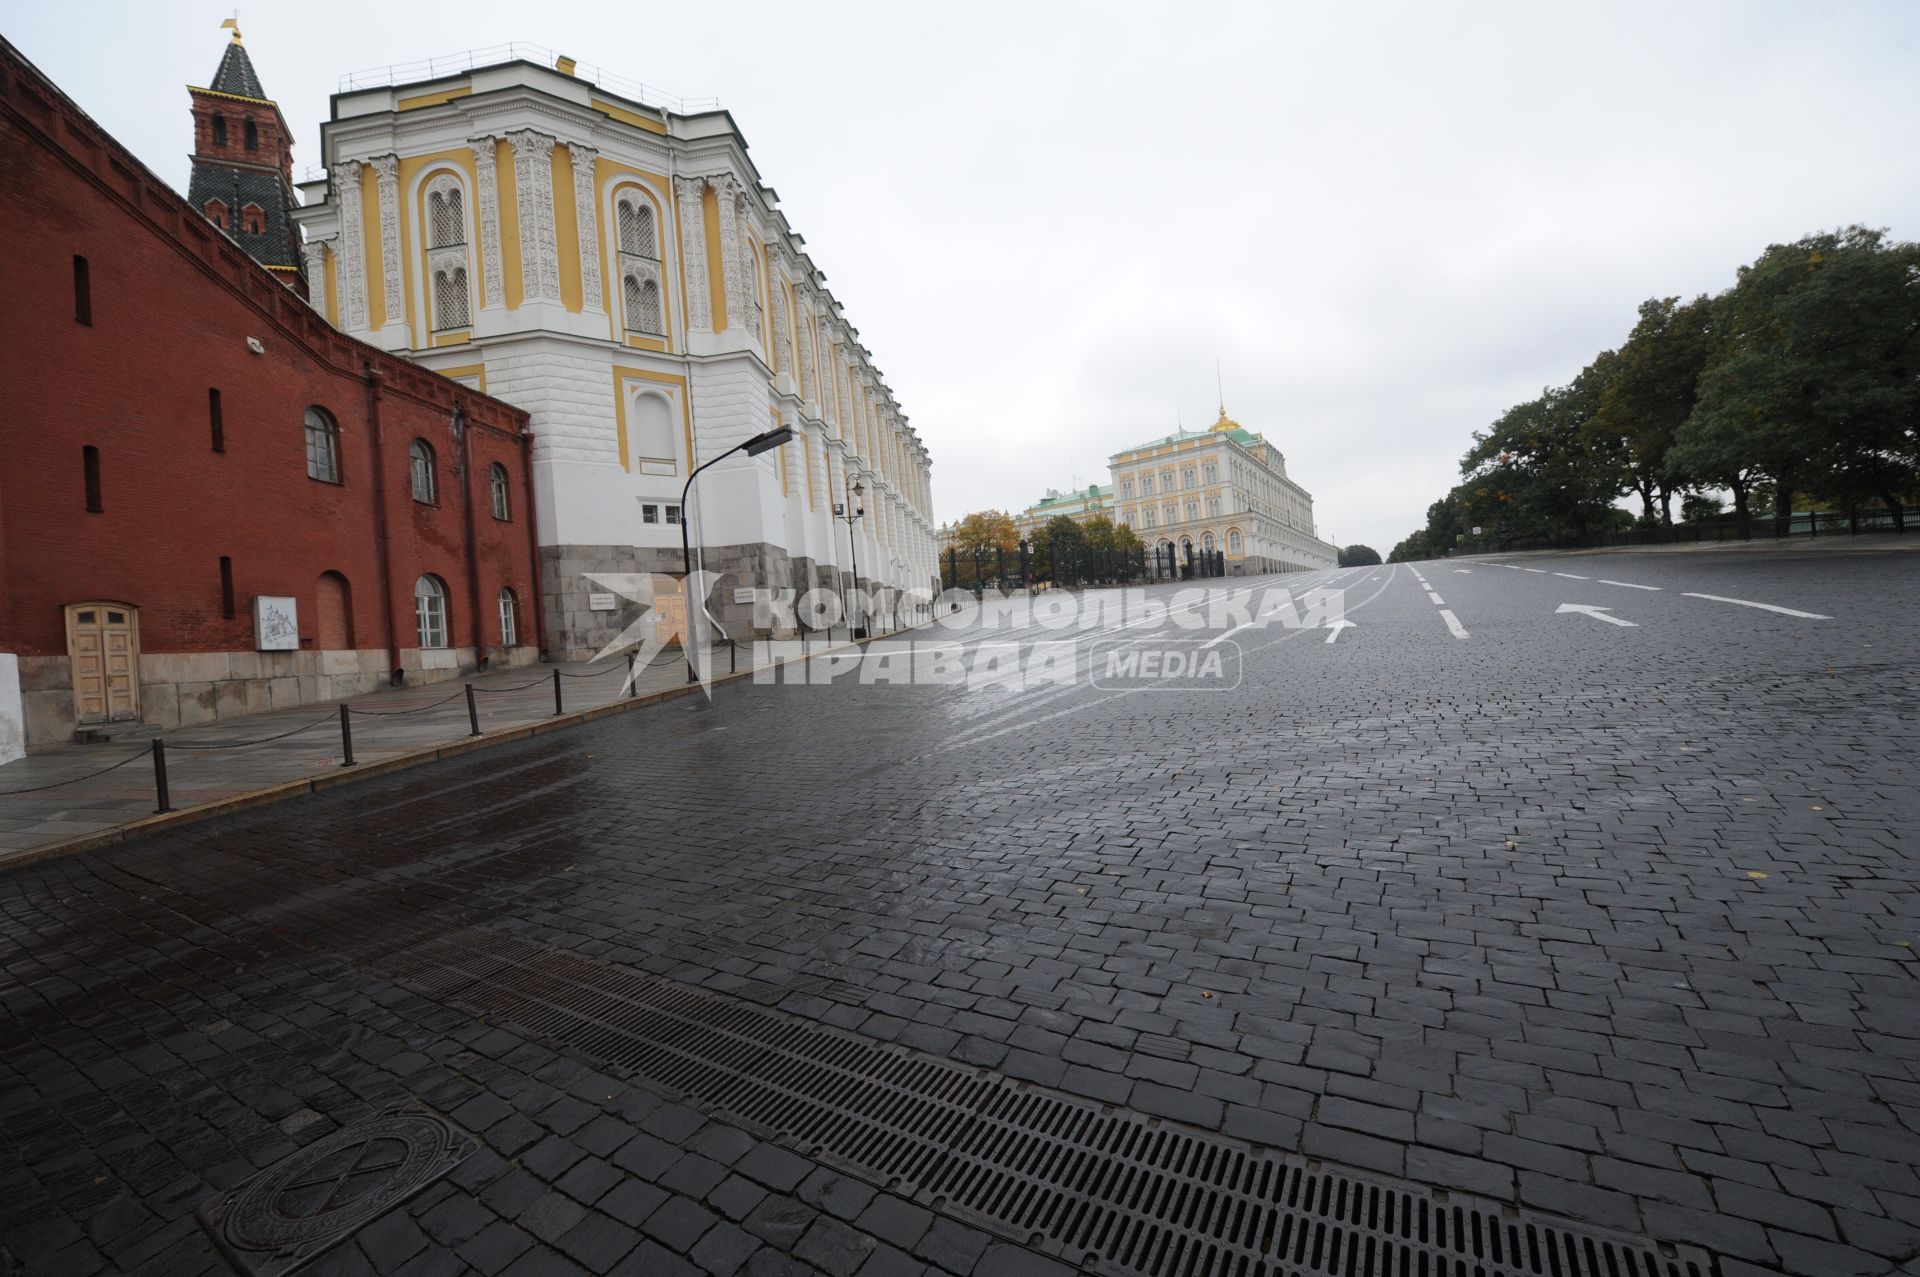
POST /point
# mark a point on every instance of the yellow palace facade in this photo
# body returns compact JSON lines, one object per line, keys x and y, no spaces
{"x":1223,"y":489}
{"x":611,"y":261}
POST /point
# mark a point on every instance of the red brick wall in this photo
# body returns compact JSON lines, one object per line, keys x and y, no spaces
{"x":173,"y":305}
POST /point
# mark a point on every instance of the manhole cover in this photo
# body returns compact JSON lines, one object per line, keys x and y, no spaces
{"x":307,"y":1201}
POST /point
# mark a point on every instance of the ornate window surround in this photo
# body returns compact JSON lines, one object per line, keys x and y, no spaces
{"x":661,"y":272}
{"x":433,"y":178}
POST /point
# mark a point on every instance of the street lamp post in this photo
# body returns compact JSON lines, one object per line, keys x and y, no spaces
{"x":850,"y":514}
{"x":765,"y":441}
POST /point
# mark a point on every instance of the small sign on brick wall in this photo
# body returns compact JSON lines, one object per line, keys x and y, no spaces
{"x":276,"y":623}
{"x":601,"y":602}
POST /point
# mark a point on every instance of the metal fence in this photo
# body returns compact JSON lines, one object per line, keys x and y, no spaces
{"x":1727,"y":527}
{"x":1024,"y":567}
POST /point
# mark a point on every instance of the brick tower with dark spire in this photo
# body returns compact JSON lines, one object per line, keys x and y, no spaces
{"x":243,"y":164}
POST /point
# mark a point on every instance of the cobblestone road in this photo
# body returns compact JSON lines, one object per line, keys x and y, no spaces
{"x":1608,"y":920}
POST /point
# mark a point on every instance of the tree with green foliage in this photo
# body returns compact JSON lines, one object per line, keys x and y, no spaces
{"x":1537,"y":471}
{"x":1815,"y":382}
{"x":1413,"y":549}
{"x":1649,"y":395}
{"x":1358,"y":556}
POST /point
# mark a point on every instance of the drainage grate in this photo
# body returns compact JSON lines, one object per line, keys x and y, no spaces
{"x":307,"y":1201}
{"x":1111,"y":1191}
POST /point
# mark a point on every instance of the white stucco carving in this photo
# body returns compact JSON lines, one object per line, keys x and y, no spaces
{"x":487,"y":198}
{"x":587,"y":210}
{"x":689,"y":194}
{"x":539,"y":241}
{"x":386,"y":169}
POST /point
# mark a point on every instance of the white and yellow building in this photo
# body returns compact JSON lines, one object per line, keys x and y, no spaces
{"x":611,"y":262}
{"x":1079,"y":505}
{"x":1220,"y":489}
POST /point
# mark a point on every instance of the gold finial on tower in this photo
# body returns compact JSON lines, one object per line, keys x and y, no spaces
{"x":233,"y":24}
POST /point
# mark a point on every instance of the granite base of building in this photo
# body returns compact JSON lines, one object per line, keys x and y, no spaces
{"x":577,"y":629}
{"x":187,"y":689}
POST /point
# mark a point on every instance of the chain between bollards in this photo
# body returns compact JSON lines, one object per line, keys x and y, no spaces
{"x":160,"y":776}
{"x":473,"y":712}
{"x":346,"y":738}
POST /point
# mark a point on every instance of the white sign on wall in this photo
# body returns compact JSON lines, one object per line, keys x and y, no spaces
{"x":276,"y":624}
{"x":600,"y":602}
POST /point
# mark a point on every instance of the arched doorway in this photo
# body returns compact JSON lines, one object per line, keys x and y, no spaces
{"x":333,"y":610}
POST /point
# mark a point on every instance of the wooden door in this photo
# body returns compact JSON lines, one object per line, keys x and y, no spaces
{"x":103,"y":642}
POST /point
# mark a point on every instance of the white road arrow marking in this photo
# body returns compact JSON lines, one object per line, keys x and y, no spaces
{"x":1597,"y":613}
{"x":1628,"y":584}
{"x":1334,"y":628}
{"x":1765,"y":607}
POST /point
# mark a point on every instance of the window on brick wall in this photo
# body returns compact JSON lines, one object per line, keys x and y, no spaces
{"x":420,"y":468}
{"x":219,"y":130}
{"x":90,"y":470}
{"x":253,"y":136}
{"x":82,"y":290}
{"x":430,"y":611}
{"x":497,"y":490}
{"x":226,"y":587}
{"x":323,"y":447}
{"x":509,"y":619}
{"x":214,"y":422}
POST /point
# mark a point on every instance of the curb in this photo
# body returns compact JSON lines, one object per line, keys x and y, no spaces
{"x":286,"y":790}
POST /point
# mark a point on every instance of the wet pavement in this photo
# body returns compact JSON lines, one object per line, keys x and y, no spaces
{"x":1609,"y":921}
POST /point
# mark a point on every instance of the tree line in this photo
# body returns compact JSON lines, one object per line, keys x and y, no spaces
{"x":992,"y":532}
{"x":1799,"y":383}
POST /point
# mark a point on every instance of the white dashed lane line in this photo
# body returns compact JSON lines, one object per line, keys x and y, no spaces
{"x":1628,"y":585}
{"x":1453,"y":623}
{"x":1571,"y":577}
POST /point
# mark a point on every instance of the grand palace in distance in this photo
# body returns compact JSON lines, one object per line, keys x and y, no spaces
{"x":1195,"y":492}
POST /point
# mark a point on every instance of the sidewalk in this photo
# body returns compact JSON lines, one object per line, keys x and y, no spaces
{"x":83,"y":791}
{"x":1836,"y":542}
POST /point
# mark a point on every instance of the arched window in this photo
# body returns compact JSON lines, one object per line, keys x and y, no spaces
{"x":420,"y":467}
{"x":219,"y":130}
{"x":323,"y":446}
{"x":450,"y":299}
{"x":430,"y":611}
{"x":509,"y":619}
{"x":1206,"y":543}
{"x":635,"y":216}
{"x":639,"y":240}
{"x":447,"y":253}
{"x":217,"y":213}
{"x":497,"y":490}
{"x":1233,"y":541}
{"x":446,"y":221}
{"x":253,"y":136}
{"x":644,"y":312}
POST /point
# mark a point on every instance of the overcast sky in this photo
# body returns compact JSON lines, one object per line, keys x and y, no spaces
{"x":1388,"y":222}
